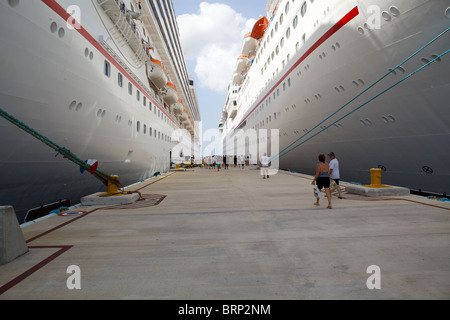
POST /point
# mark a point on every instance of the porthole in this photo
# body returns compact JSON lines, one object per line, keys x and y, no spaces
{"x":361,"y":30}
{"x":53,"y":27}
{"x":61,"y":32}
{"x":86,"y":52}
{"x":394,"y":10}
{"x":425,"y":60}
{"x":91,"y":56}
{"x":72,"y":105}
{"x":401,"y":69}
{"x":79,"y":106}
{"x":295,"y":23}
{"x":386,"y":16}
{"x":436,"y":58}
{"x":393,"y":72}
{"x":447,"y":12}
{"x":13,"y":3}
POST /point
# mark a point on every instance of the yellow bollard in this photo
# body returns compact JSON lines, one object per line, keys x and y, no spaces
{"x":375,"y":178}
{"x":112,"y":187}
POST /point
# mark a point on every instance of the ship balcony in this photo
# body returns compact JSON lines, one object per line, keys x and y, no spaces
{"x":124,"y":24}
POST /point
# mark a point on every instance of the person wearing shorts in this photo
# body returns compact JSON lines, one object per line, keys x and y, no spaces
{"x":334,"y":172}
{"x":322,"y":179}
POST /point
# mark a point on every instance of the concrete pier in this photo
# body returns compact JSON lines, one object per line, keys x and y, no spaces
{"x":231,"y":235}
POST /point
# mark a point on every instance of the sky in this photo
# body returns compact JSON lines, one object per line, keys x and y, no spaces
{"x":211,"y":35}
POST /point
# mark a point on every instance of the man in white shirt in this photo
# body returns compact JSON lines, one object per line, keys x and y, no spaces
{"x":265,"y":166}
{"x":334,"y":172}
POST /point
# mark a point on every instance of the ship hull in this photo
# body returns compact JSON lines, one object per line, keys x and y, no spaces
{"x":336,"y":95}
{"x":53,"y":80}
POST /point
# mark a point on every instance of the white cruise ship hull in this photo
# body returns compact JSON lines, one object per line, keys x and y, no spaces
{"x":323,"y":100}
{"x":53,"y":80}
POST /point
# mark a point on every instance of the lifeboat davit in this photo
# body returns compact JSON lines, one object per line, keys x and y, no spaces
{"x":260,"y":28}
{"x":156,"y":73}
{"x":178,"y":107}
{"x":171,"y":94}
{"x":243,"y":63}
{"x":249,"y":45}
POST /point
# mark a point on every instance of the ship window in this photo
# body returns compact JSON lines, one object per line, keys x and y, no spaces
{"x":138,"y":95}
{"x":295,"y":23}
{"x":288,"y":33}
{"x":150,"y":105}
{"x":107,"y":69}
{"x":138,"y":126}
{"x":281,"y":18}
{"x":287,"y":8}
{"x":144,"y":100}
{"x":151,"y":131}
{"x":145,"y":129}
{"x":303,"y":9}
{"x":120,"y":80}
{"x":130,"y":88}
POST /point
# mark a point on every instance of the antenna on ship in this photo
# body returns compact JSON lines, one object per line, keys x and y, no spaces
{"x":112,"y":182}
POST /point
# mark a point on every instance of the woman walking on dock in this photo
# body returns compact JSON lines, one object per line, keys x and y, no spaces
{"x":322,"y":179}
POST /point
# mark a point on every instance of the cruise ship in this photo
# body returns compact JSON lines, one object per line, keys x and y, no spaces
{"x":366,"y":79}
{"x":104,"y":80}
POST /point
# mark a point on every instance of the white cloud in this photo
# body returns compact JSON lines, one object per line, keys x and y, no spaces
{"x":213,"y":38}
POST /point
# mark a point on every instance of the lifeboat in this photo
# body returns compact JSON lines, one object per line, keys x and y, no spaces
{"x":183,"y":117}
{"x":156,"y":73}
{"x":178,"y":107}
{"x":243,"y":63}
{"x":237,"y":78}
{"x":171,"y":94}
{"x":249,"y":45}
{"x":260,"y":28}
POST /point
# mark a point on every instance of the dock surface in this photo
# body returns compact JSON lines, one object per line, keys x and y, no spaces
{"x":231,"y":235}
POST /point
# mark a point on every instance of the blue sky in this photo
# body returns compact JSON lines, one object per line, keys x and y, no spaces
{"x":211,"y":34}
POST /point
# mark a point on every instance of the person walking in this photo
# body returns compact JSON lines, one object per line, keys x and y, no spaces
{"x":322,"y":179}
{"x":235,"y":160}
{"x":265,"y":166}
{"x":242,"y":159}
{"x":334,"y":172}
{"x":225,"y":162}
{"x":218,"y":163}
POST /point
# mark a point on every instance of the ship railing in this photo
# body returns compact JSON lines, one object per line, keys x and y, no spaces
{"x":124,"y":24}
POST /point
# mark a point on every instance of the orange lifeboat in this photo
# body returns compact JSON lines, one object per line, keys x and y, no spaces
{"x":249,"y":45}
{"x":260,"y":28}
{"x":178,"y":107}
{"x":157,"y":73}
{"x":237,"y":78}
{"x":171,"y":94}
{"x":243,"y":63}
